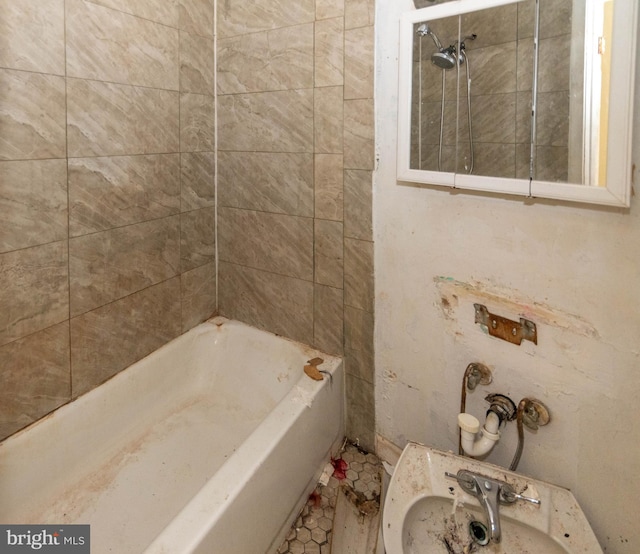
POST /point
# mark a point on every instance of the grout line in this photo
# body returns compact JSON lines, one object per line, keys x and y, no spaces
{"x":215,"y":157}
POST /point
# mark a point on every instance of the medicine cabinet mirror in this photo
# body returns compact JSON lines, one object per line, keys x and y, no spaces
{"x":524,"y":97}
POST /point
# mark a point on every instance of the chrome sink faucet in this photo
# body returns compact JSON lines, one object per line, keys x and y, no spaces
{"x":491,"y":493}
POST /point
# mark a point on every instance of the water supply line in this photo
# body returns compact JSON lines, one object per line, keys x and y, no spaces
{"x":533,"y":414}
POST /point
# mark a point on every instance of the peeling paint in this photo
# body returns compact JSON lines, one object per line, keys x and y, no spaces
{"x":509,"y":300}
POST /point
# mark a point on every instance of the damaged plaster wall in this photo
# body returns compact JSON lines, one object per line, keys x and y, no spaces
{"x":572,"y":269}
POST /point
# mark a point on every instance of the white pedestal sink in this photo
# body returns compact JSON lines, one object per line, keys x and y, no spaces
{"x":427,"y":512}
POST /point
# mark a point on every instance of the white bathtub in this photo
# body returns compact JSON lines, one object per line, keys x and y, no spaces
{"x":211,"y":444}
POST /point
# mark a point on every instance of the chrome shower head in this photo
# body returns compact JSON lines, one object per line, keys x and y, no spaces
{"x":445,"y":58}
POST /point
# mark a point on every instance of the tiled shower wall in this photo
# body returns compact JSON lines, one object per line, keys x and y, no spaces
{"x":295,"y":159}
{"x":106,"y":190}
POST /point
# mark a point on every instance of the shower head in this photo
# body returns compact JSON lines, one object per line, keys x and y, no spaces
{"x":445,"y":58}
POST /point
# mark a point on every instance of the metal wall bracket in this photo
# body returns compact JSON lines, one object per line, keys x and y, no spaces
{"x":506,"y":329}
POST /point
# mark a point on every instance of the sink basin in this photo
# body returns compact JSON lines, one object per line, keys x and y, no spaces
{"x":425,"y":511}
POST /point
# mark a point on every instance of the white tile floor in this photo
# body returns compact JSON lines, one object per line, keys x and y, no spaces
{"x":312,"y":531}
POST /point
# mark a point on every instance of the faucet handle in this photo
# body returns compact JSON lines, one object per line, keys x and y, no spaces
{"x":508,"y":495}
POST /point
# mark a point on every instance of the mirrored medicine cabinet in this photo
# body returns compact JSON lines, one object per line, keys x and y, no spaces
{"x":524,"y":97}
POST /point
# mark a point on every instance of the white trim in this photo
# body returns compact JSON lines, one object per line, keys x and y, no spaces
{"x":617,"y":192}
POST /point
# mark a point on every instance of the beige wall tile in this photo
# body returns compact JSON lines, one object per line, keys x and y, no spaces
{"x":109,"y":45}
{"x":198,"y":288}
{"x":32,"y":116}
{"x":267,"y":121}
{"x":239,"y":18}
{"x":359,"y":13}
{"x":280,"y":304}
{"x":326,"y":9}
{"x":109,"y":339}
{"x":197,"y":17}
{"x":197,"y":64}
{"x":281,"y":59}
{"x":358,"y":204}
{"x":120,"y":190}
{"x":161,"y":11}
{"x":491,"y":159}
{"x":36,"y":378}
{"x":359,"y":145}
{"x":329,"y":52}
{"x":271,"y":242}
{"x":107,"y":119}
{"x":329,"y":195}
{"x":34,"y":292}
{"x":33,"y":201}
{"x":358,"y":63}
{"x":494,"y":68}
{"x":106,"y":266}
{"x":494,"y":118}
{"x":328,"y":251}
{"x":328,"y":319}
{"x":361,"y":412}
{"x":32,"y":34}
{"x":197,"y":238}
{"x":265,"y":181}
{"x":358,"y":343}
{"x":328,"y":112}
{"x":197,"y":123}
{"x":198,"y":180}
{"x":358,"y":274}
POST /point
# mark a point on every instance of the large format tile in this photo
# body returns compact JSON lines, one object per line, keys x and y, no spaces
{"x":265,"y":181}
{"x":197,"y":238}
{"x":32,"y":34}
{"x":34,"y":290}
{"x":277,"y":303}
{"x":32,"y":116}
{"x":239,"y":18}
{"x":197,"y":123}
{"x":326,"y":9}
{"x":109,"y":45}
{"x":328,"y":253}
{"x":358,"y":204}
{"x":197,"y":17}
{"x":361,"y":411}
{"x":358,"y":63}
{"x":328,"y":190}
{"x":494,"y":118}
{"x":106,"y":266}
{"x":198,"y":288}
{"x":328,"y":120}
{"x":120,"y":190}
{"x":359,"y":147}
{"x":198,"y":180}
{"x":328,"y":319}
{"x":267,"y":122}
{"x":197,"y":64}
{"x":35,"y":375}
{"x":272,"y":242}
{"x":329,"y":52}
{"x":105,"y":119}
{"x":33,"y":201}
{"x":358,"y":343}
{"x":281,"y":59}
{"x":359,"y":13}
{"x":111,"y":338}
{"x":161,"y":11}
{"x":494,"y":68}
{"x":358,"y":274}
